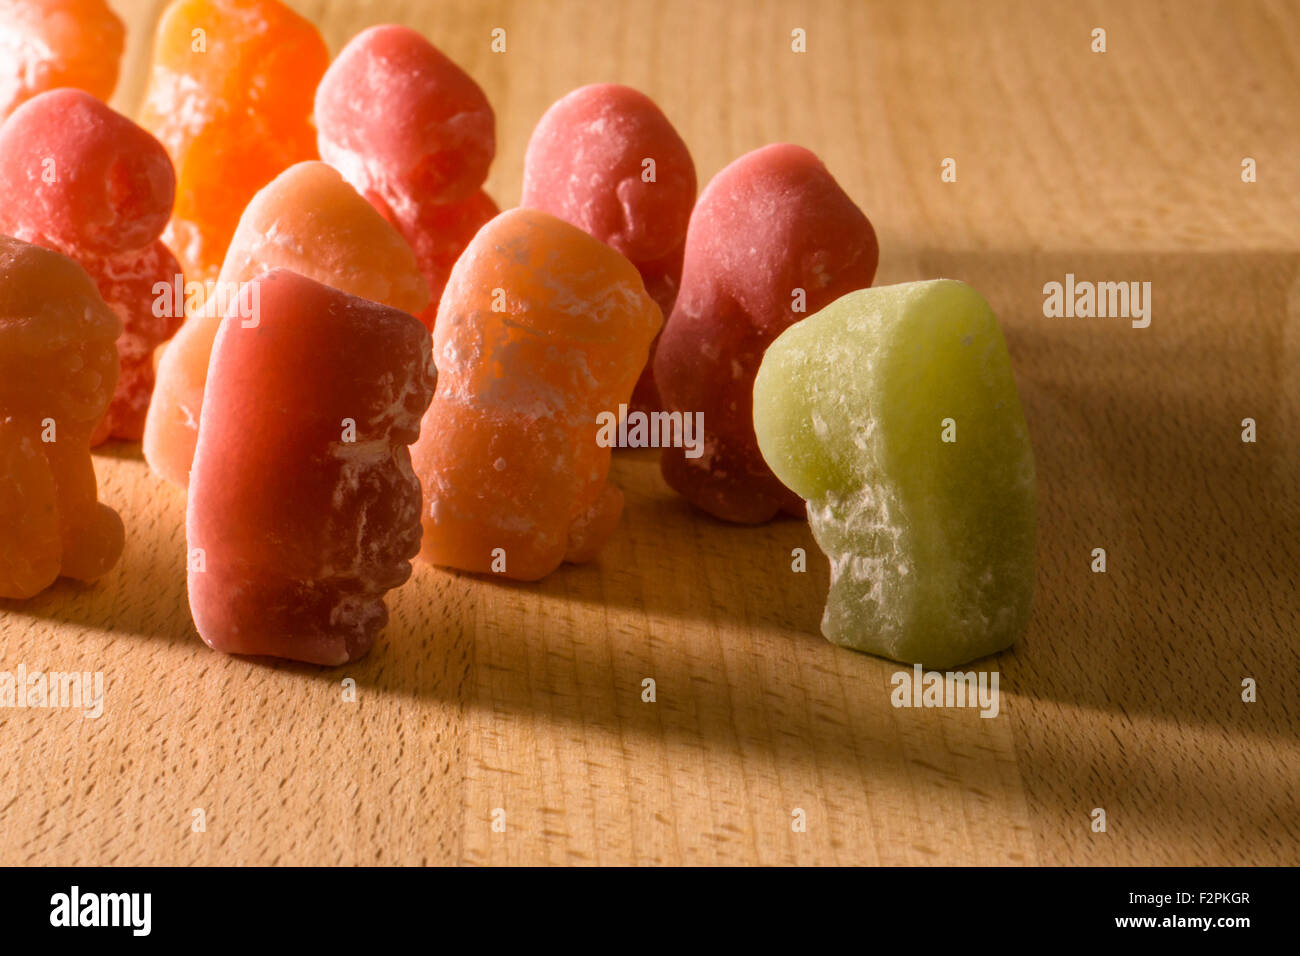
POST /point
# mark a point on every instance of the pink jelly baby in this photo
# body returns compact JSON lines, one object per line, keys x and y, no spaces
{"x":415,"y":135}
{"x":303,"y":509}
{"x":606,"y":159}
{"x":772,"y":239}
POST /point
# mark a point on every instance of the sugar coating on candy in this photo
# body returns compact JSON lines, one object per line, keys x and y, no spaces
{"x":58,"y":366}
{"x":606,"y":159}
{"x":129,"y":284}
{"x":83,"y":180}
{"x":232,"y":114}
{"x":47,"y":44}
{"x":541,"y":329}
{"x":931,"y":542}
{"x":771,"y":231}
{"x":310,"y":221}
{"x":415,"y":135}
{"x":303,"y":509}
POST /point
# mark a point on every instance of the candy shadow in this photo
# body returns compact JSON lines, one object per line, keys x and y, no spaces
{"x":713,"y":613}
{"x":119,"y":450}
{"x":1138,"y":438}
{"x":669,"y":560}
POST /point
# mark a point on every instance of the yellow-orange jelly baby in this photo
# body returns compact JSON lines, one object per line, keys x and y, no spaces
{"x":58,"y":367}
{"x":230,"y":97}
{"x":541,"y":329}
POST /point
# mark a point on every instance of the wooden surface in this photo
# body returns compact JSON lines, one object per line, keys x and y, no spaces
{"x":1124,"y":695}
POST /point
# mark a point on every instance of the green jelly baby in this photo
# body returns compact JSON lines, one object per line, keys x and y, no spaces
{"x":894,"y":413}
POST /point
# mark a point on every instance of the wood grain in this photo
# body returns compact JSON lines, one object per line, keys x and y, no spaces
{"x":1125,"y":693}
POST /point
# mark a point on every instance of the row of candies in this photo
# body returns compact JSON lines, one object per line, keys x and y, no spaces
{"x":325,"y":437}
